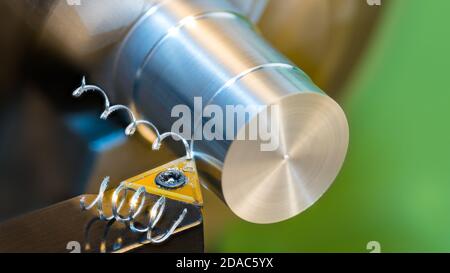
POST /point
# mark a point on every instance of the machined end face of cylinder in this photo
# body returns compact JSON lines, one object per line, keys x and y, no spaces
{"x":285,"y":141}
{"x":294,"y":171}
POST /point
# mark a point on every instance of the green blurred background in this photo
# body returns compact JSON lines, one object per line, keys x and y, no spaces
{"x":394,"y":187}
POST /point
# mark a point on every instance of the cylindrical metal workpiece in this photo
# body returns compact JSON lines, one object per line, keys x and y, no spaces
{"x":180,"y":50}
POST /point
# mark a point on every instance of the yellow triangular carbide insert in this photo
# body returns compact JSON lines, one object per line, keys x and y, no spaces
{"x":190,"y":192}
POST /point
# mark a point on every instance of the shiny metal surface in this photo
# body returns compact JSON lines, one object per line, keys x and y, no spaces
{"x":253,"y":9}
{"x":265,"y":187}
{"x":133,"y":122}
{"x":181,"y":49}
{"x":57,"y":228}
{"x":171,"y":51}
{"x":325,"y":37}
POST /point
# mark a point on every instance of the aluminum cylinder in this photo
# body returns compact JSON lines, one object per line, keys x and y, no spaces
{"x":185,"y":49}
